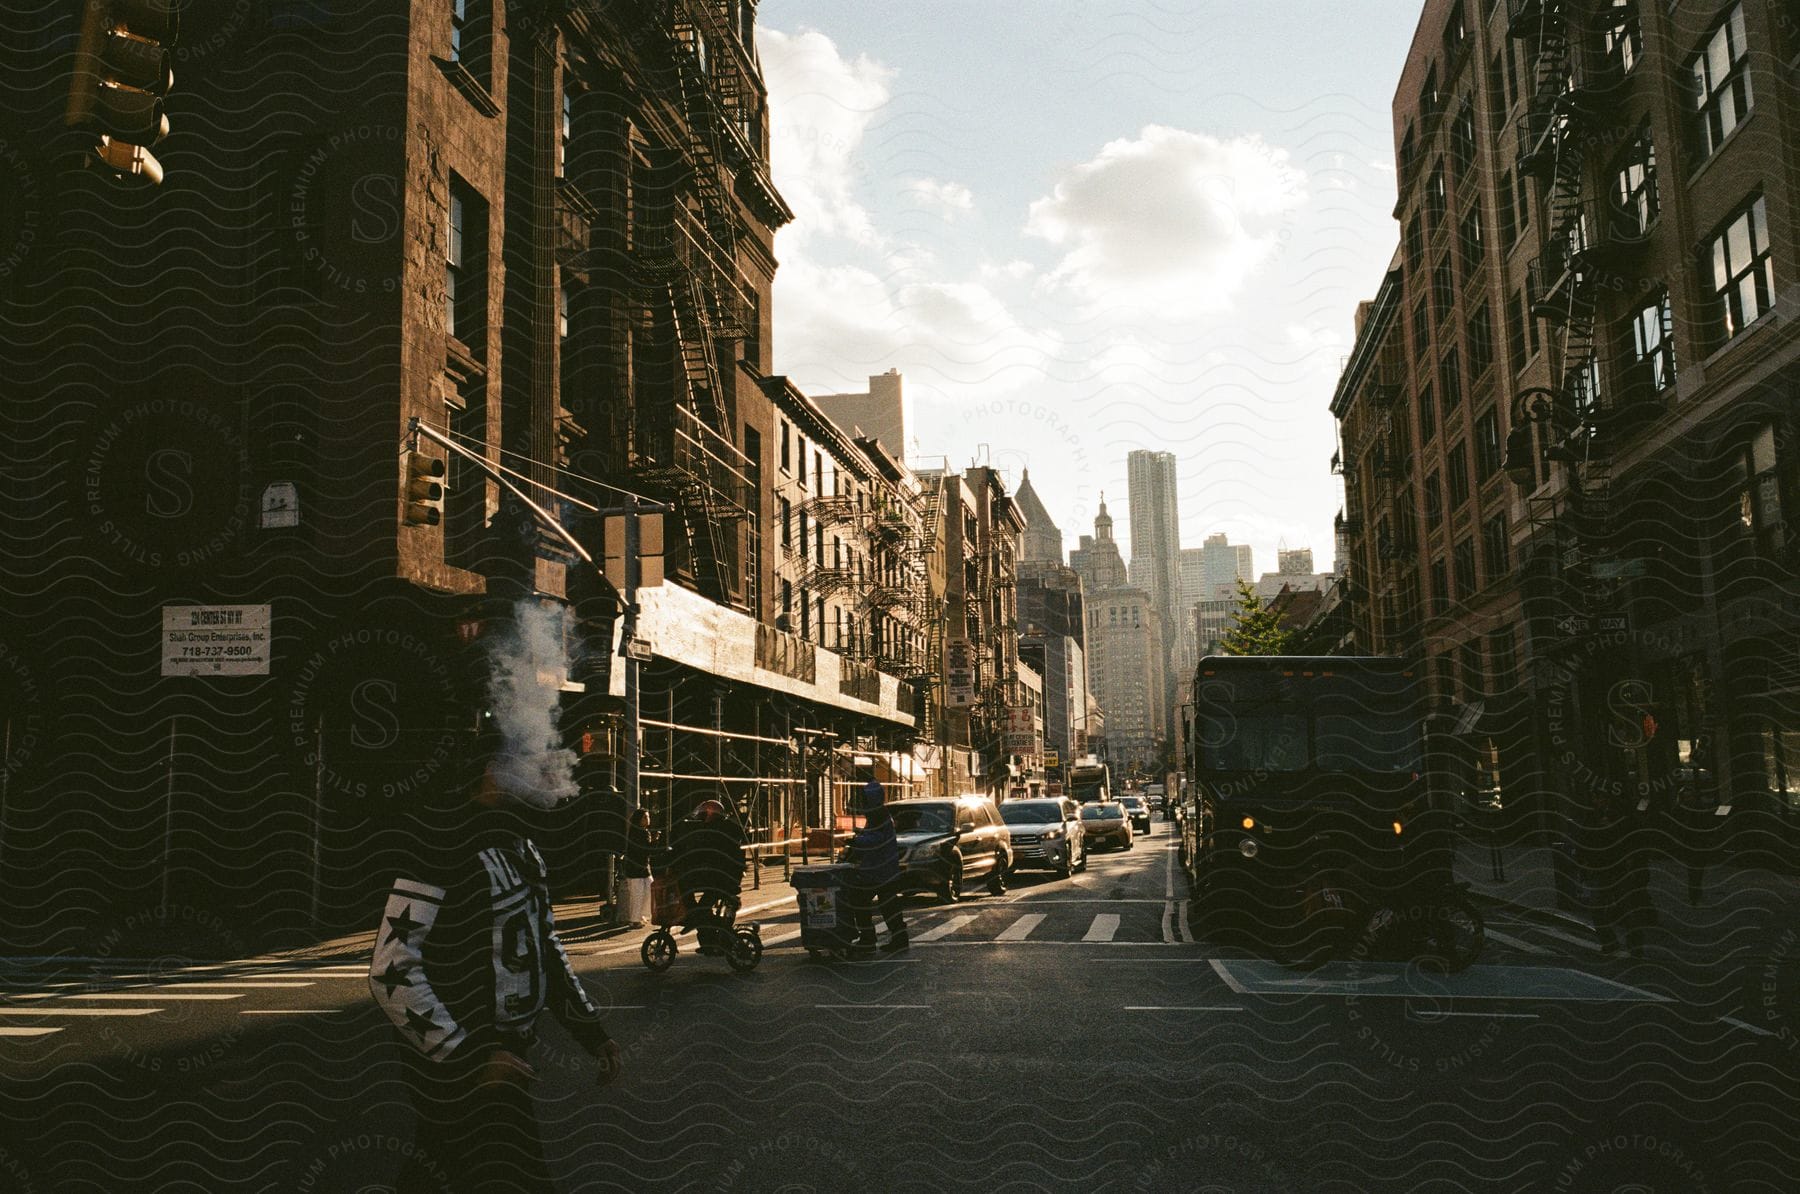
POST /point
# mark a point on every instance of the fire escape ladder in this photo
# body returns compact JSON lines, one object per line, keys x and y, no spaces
{"x":691,"y":340}
{"x":699,"y":517}
{"x":705,"y":120}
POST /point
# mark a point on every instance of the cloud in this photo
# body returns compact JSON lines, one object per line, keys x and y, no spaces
{"x":1170,"y":221}
{"x":822,"y":105}
{"x":947,"y":199}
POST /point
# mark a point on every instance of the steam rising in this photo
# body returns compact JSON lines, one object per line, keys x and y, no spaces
{"x":533,"y":767}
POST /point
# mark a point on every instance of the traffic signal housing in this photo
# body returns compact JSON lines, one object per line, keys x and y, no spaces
{"x":425,"y":484}
{"x":120,"y":77}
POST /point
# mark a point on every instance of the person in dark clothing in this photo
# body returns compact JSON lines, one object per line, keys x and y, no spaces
{"x":466,"y":957}
{"x":1619,"y":862}
{"x":635,"y":868}
{"x":709,"y":863}
{"x":875,"y":851}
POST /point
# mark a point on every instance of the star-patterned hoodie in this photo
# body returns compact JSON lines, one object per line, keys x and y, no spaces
{"x":467,"y":955}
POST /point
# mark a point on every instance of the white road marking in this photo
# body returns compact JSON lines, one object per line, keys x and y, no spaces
{"x":1021,"y":928}
{"x":1104,"y":928}
{"x":28,"y":1031}
{"x":252,"y":986}
{"x":1219,"y":969}
{"x":1572,"y":939}
{"x":1187,"y":931}
{"x":944,"y":930}
{"x":1515,"y":943}
{"x":1222,"y":1008}
{"x":1168,"y":923}
{"x":880,"y":1007}
{"x":127,"y":996}
{"x":1737,"y":1023}
{"x":292,"y":1011}
{"x":1490,"y":1015}
{"x":78,"y":1011}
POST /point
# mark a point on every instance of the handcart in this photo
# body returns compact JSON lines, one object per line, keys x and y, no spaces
{"x":827,"y":925}
{"x":741,"y":944}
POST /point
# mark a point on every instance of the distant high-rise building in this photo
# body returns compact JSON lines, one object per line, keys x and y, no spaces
{"x":879,"y":413}
{"x":1125,"y":668}
{"x":1043,"y":539}
{"x":1217,"y":564}
{"x":1156,"y":557}
{"x":1295,"y":561}
{"x":1097,"y":560}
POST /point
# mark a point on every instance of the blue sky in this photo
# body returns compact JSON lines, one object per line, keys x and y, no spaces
{"x":1080,"y":228}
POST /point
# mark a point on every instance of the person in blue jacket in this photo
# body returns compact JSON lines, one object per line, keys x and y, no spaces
{"x":875,"y":852}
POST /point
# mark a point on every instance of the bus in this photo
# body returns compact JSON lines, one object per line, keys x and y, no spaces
{"x":1300,"y":765}
{"x":1090,"y":780}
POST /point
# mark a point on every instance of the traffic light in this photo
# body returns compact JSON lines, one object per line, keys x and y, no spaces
{"x":121,"y":75}
{"x":424,"y":489}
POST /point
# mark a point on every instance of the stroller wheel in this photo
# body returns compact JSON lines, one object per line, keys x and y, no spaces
{"x":744,"y":950}
{"x":659,"y":950}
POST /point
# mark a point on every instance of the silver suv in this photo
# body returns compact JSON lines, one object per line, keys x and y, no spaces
{"x":1046,"y":833}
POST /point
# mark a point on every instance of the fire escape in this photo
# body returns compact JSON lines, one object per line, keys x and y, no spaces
{"x":891,"y":582}
{"x":1570,"y":527}
{"x":687,"y":268}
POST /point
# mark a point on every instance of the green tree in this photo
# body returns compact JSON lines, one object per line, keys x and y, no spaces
{"x":1256,"y":629}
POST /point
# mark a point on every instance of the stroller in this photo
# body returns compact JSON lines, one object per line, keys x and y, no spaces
{"x":714,"y":923}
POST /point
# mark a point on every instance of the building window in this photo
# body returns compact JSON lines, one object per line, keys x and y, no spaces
{"x":562,"y":312}
{"x":1759,"y":500}
{"x":1474,"y":685}
{"x":1529,"y":322}
{"x":1450,"y":383}
{"x":1421,"y":327}
{"x":1456,"y":32}
{"x":566,"y":134}
{"x":800,"y":459}
{"x":1443,"y":291}
{"x":1415,"y":243}
{"x":1621,"y":37}
{"x":1427,"y":414}
{"x":1463,"y":556}
{"x":1456,"y":469}
{"x":1502,"y":661}
{"x":1652,"y":368}
{"x":787,"y":521}
{"x":1481,"y":341}
{"x":465,"y":265}
{"x":1522,"y":201}
{"x":1436,"y":197}
{"x":1721,"y":82}
{"x":1496,"y":551}
{"x":1434,"y":496}
{"x":1509,"y":218}
{"x":1634,"y":186}
{"x":787,"y":459}
{"x":1462,"y":138}
{"x":1743,"y":271}
{"x":1440,"y":588}
{"x":1515,"y":330}
{"x":805,"y":614}
{"x":1487,"y":445}
{"x":1468,"y":243}
{"x":471,"y":27}
{"x":805,"y":532}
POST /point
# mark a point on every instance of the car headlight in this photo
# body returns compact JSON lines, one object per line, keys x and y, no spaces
{"x":1051,"y":835}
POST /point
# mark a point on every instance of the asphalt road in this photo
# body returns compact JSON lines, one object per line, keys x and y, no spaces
{"x":1068,"y":1035}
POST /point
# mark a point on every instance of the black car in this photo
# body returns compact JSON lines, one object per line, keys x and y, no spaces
{"x":945,"y":843}
{"x":1139,"y":812}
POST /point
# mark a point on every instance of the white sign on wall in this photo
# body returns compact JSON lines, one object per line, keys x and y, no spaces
{"x":215,"y":640}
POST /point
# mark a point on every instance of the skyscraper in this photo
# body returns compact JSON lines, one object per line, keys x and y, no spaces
{"x":1155,"y":529}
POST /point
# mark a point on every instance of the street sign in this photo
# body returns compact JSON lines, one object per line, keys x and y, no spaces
{"x":640,"y":649}
{"x":1614,"y":623}
{"x":1052,"y":759}
{"x":959,"y":674}
{"x":1574,"y":625}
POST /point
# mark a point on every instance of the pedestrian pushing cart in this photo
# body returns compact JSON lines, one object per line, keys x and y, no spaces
{"x":826,"y":925}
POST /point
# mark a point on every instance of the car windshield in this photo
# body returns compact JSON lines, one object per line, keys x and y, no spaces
{"x":922,"y":818}
{"x":1101,"y":812}
{"x":1027,"y":813}
{"x":1132,"y":801}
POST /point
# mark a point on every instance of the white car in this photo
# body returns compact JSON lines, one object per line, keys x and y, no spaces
{"x":1047,"y":833}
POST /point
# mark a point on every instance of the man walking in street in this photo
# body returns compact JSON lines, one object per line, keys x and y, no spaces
{"x":875,"y":851}
{"x":466,"y":957}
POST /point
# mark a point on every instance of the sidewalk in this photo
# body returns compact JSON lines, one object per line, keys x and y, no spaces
{"x":1737,"y":909}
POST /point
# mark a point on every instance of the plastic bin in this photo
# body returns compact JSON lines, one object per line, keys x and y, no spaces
{"x":825,"y":917}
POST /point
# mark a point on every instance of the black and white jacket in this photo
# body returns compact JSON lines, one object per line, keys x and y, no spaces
{"x":467,"y":955}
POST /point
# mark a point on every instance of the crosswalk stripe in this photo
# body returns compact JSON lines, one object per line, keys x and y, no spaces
{"x":1021,"y":928}
{"x":128,"y":996}
{"x":1584,"y":943}
{"x":78,"y":1011}
{"x":1515,"y":943}
{"x":944,"y":930}
{"x":28,"y":1031}
{"x":1104,"y":928}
